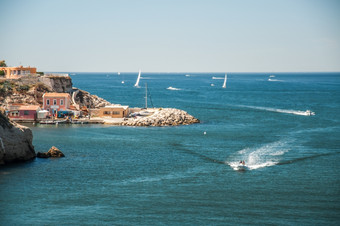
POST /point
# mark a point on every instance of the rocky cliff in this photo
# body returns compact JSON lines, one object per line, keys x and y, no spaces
{"x":30,"y":89}
{"x":83,"y":98}
{"x":15,"y":142}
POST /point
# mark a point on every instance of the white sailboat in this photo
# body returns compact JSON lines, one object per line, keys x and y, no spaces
{"x":138,"y":78}
{"x":225,"y":81}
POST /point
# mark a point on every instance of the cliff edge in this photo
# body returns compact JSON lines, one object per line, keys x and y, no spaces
{"x":15,"y":142}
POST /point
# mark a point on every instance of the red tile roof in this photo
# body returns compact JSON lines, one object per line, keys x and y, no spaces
{"x":56,"y":95}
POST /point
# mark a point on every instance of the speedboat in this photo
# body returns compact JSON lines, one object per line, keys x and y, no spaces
{"x":309,"y":113}
{"x":241,"y":167}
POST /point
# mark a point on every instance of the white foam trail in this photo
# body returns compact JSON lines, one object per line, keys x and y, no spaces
{"x":259,"y":157}
{"x":288,"y":111}
{"x":157,"y":178}
{"x":172,"y":88}
{"x":274,"y":80}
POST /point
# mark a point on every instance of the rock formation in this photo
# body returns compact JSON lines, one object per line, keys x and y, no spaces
{"x":163,"y":117}
{"x":30,"y":89}
{"x":15,"y":142}
{"x":85,"y":99}
{"x":53,"y":152}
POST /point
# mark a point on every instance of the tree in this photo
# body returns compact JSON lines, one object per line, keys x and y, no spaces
{"x":3,"y":63}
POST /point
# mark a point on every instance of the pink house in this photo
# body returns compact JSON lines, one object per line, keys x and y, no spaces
{"x":53,"y":102}
{"x":23,"y":112}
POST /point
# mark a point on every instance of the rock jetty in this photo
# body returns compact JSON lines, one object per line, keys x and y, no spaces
{"x":15,"y":142}
{"x":53,"y":153}
{"x":163,"y":117}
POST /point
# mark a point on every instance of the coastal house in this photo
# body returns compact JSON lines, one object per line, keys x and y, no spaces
{"x":16,"y":72}
{"x":114,"y":111}
{"x":54,"y":102}
{"x":23,"y":112}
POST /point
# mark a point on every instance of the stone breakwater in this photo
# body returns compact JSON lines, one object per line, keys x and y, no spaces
{"x":163,"y":117}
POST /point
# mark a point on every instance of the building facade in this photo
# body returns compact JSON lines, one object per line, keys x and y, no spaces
{"x":16,"y":72}
{"x":54,"y":102}
{"x":23,"y":112}
{"x":114,"y":111}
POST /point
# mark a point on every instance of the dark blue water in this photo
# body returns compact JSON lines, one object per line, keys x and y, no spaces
{"x":179,"y":175}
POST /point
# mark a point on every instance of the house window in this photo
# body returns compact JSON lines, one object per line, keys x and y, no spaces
{"x":107,"y":113}
{"x":116,"y":112}
{"x":54,"y":102}
{"x":26,"y":113}
{"x":61,"y":102}
{"x":47,"y":102}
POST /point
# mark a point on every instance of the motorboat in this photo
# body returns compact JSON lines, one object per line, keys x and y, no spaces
{"x":309,"y":113}
{"x":241,"y":167}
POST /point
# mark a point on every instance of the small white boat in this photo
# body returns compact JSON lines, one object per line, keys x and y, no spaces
{"x":271,"y":76}
{"x":172,"y":88}
{"x":123,"y":82}
{"x":309,"y":113}
{"x":212,"y":84}
{"x":187,"y":75}
{"x":138,"y":78}
{"x":241,"y":167}
{"x":217,"y":77}
{"x":145,"y":113}
{"x":225,"y":81}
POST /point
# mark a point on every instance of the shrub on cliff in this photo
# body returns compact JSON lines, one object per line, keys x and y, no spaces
{"x":3,"y":63}
{"x":23,"y":88}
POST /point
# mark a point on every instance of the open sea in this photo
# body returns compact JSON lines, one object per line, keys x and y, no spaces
{"x":185,"y":175}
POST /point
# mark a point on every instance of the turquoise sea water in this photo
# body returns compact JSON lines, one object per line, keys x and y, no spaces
{"x":179,"y":175}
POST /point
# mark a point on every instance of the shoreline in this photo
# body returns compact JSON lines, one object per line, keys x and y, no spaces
{"x":156,"y":117}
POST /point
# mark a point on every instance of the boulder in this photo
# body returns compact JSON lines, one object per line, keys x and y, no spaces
{"x":53,"y":153}
{"x":15,"y":142}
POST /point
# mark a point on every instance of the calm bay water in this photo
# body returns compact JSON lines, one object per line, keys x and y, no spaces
{"x":179,"y":175}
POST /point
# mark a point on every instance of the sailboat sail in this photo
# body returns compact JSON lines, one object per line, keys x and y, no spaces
{"x":138,"y":78}
{"x":225,"y":81}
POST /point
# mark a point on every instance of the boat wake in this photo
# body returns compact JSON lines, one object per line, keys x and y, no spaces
{"x":274,"y":80}
{"x":172,"y":88}
{"x":259,"y":157}
{"x":294,"y":112}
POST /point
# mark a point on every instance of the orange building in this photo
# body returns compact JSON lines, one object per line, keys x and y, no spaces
{"x":56,"y":102}
{"x":114,"y":111}
{"x":16,"y":72}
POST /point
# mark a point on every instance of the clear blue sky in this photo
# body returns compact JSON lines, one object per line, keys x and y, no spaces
{"x":171,"y":35}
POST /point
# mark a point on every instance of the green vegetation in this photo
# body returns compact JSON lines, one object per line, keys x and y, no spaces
{"x":2,"y":73}
{"x":40,"y":73}
{"x":3,"y":63}
{"x":8,"y":87}
{"x":23,"y":88}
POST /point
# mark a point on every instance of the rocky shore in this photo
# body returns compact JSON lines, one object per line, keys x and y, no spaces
{"x":163,"y":117}
{"x":15,"y":142}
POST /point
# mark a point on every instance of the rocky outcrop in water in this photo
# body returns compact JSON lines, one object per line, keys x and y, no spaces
{"x":53,"y":153}
{"x":163,"y":117}
{"x":15,"y":142}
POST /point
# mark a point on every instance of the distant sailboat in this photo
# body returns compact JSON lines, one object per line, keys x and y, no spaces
{"x":225,"y":81}
{"x":138,"y":78}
